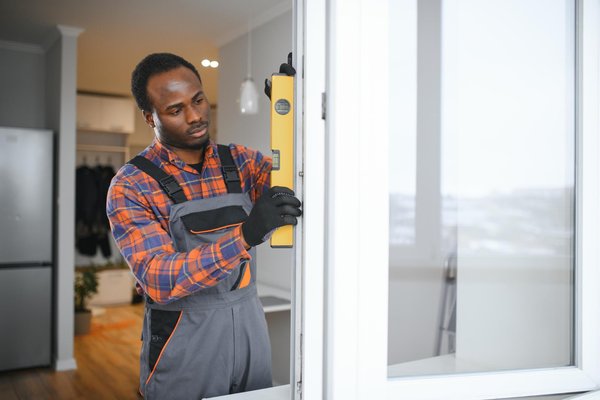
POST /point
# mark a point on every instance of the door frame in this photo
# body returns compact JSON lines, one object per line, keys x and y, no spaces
{"x":309,"y":49}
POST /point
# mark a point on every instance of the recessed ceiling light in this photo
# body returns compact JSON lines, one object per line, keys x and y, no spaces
{"x":209,"y":63}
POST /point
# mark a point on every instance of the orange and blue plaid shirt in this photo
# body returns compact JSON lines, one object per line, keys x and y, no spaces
{"x":138,"y":211}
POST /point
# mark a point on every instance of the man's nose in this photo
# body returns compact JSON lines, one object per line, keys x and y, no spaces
{"x":193,"y":115}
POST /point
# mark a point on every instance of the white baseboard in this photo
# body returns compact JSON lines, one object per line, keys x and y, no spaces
{"x":65,"y":365}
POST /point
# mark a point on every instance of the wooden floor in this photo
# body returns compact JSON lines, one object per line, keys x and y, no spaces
{"x":107,"y":364}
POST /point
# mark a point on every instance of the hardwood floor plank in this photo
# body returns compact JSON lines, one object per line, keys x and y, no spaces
{"x":30,"y":387}
{"x":59,"y":385}
{"x":107,"y":360}
{"x":8,"y":394}
{"x":7,"y":390}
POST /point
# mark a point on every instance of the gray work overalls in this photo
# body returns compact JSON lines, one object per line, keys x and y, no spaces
{"x":215,"y":341}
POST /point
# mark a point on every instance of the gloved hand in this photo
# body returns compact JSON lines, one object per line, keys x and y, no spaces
{"x":285,"y":68}
{"x":277,"y":207}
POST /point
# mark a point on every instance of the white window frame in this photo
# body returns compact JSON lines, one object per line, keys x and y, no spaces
{"x":308,"y":332}
{"x":356,"y":228}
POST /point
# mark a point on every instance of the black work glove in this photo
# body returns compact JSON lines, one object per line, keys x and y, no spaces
{"x":285,"y":68}
{"x":277,"y":207}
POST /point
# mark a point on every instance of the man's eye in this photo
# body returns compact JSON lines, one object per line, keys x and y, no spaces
{"x":175,"y":112}
{"x":198,"y":100}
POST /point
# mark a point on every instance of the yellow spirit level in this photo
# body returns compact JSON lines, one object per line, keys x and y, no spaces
{"x":282,"y":144}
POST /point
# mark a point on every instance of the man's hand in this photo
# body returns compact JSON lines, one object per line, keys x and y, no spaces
{"x":277,"y":207}
{"x":285,"y":68}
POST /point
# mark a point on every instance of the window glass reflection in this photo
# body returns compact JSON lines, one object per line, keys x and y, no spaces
{"x":486,"y":283}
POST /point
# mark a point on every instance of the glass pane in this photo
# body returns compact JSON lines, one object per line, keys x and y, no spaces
{"x":488,"y":283}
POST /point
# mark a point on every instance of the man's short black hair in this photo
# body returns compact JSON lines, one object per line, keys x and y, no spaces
{"x":151,"y":65}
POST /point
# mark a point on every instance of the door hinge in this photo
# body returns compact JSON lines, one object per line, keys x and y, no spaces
{"x":299,"y":394}
{"x":323,"y":106}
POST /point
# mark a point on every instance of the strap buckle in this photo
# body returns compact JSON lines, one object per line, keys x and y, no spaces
{"x":230,"y":173}
{"x":170,"y":185}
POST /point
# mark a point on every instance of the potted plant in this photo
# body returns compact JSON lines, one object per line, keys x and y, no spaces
{"x":86,"y":284}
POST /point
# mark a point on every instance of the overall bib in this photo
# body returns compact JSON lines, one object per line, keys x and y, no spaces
{"x":215,"y":341}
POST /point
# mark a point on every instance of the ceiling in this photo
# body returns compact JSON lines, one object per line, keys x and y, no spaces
{"x":118,"y":33}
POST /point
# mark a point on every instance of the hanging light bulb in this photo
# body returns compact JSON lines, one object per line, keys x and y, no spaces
{"x":248,"y":97}
{"x":248,"y":92}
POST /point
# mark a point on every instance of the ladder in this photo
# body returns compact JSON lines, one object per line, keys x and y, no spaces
{"x":446,"y":334}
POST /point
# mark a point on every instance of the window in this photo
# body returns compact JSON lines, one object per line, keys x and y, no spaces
{"x":357,"y":252}
{"x":492,"y":287}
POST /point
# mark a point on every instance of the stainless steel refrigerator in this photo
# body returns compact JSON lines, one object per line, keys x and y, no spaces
{"x":26,"y":221}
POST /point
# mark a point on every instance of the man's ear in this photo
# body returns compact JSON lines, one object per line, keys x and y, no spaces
{"x":149,"y":119}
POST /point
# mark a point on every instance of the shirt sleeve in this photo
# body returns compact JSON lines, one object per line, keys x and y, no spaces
{"x":259,"y":170}
{"x":164,"y":273}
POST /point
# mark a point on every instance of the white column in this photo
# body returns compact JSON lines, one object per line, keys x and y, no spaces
{"x":61,"y":92}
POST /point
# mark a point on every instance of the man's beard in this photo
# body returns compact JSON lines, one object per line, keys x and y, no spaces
{"x":197,"y":144}
{"x":190,"y":146}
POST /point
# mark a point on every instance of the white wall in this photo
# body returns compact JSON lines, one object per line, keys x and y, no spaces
{"x":22,"y":79}
{"x":271,"y":43}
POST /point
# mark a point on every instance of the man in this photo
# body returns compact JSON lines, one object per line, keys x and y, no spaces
{"x":186,"y":215}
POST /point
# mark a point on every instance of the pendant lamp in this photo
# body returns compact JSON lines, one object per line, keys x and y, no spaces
{"x":248,"y":92}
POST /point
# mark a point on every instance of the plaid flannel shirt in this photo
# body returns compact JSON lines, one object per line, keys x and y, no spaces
{"x":138,"y":211}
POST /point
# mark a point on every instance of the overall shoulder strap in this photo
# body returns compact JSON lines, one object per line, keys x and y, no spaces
{"x":229,"y":170}
{"x":167,"y":182}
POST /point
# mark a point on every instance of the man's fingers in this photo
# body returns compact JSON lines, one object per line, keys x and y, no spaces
{"x":287,"y":200}
{"x":289,"y":220}
{"x":287,"y":69}
{"x":283,"y":195}
{"x":289,"y":210}
{"x":281,"y":190}
{"x":268,"y":88}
